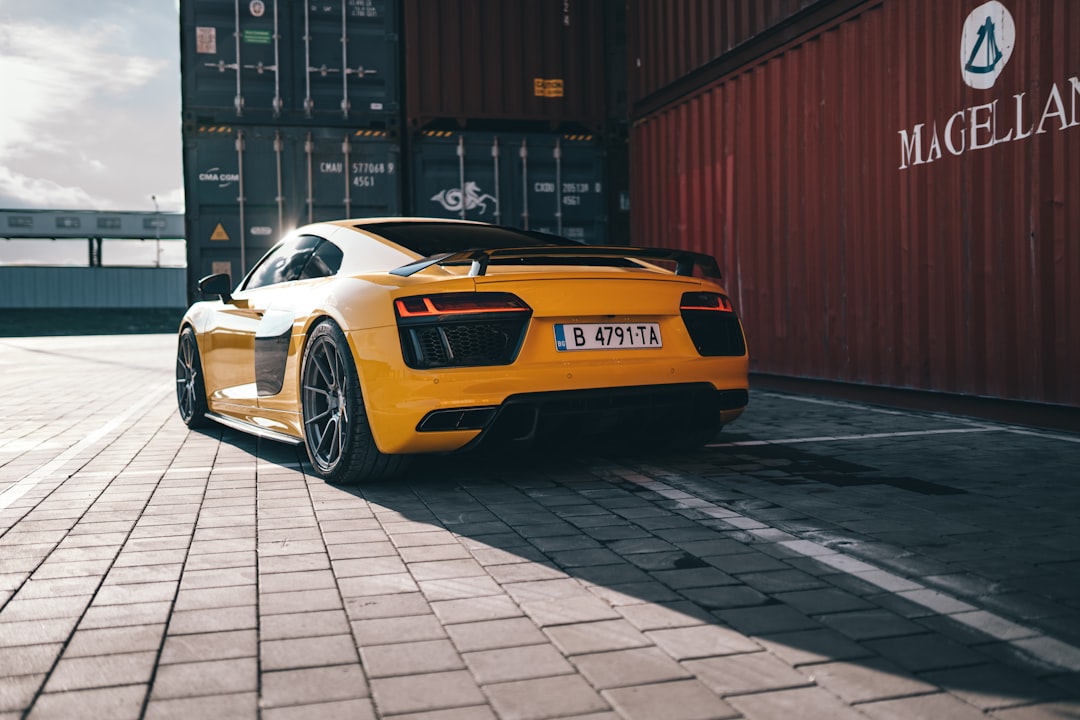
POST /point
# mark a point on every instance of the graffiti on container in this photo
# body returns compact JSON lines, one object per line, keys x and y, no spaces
{"x":985,"y":47}
{"x":453,"y":199}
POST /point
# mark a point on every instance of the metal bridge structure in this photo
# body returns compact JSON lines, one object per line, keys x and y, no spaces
{"x":94,"y":285}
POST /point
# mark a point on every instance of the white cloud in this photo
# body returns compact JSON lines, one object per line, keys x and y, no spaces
{"x":84,"y":121}
{"x":172,"y":201}
{"x":20,"y":191}
{"x":48,"y":72}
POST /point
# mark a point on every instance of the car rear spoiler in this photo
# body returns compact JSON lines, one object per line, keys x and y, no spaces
{"x":685,"y":260}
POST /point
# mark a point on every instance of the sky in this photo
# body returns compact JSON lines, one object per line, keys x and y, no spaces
{"x":90,"y":105}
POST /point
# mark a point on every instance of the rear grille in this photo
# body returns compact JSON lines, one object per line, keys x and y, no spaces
{"x":462,"y":343}
{"x":715,"y":334}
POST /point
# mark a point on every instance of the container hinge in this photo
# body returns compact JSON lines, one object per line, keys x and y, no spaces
{"x":261,"y":68}
{"x":523,"y":153}
{"x":346,"y":150}
{"x":361,"y":71}
{"x":221,"y":66}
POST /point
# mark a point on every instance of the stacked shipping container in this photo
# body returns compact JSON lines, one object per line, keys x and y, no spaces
{"x":292,"y":113}
{"x":290,"y":110}
{"x":895,"y":195}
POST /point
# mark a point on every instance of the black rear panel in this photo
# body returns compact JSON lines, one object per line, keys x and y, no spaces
{"x":638,"y":414}
{"x":475,"y":340}
{"x":715,"y":334}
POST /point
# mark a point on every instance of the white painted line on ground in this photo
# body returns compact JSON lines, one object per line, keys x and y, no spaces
{"x":863,"y":436}
{"x":24,"y":484}
{"x":1028,"y":641}
{"x":936,"y":415}
{"x":830,"y":403}
{"x":1041,"y":434}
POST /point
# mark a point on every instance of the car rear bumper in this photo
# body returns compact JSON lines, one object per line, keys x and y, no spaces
{"x":531,"y":399}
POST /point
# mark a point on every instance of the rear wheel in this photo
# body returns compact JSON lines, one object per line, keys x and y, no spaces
{"x":190,"y":389}
{"x":336,"y":431}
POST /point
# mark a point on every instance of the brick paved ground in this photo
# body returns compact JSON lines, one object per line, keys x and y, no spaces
{"x":821,"y":560}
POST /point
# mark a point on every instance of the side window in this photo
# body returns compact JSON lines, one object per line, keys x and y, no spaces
{"x":284,"y":263}
{"x":324,"y":262}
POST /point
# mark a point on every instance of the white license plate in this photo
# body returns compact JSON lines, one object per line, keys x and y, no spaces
{"x":607,"y":336}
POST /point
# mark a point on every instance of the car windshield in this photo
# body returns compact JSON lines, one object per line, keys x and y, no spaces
{"x":429,"y":239}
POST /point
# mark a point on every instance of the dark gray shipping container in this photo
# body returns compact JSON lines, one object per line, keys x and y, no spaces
{"x":332,"y":62}
{"x":247,"y":185}
{"x":535,"y":181}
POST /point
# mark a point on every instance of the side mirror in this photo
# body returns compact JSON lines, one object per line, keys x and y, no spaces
{"x":217,"y":285}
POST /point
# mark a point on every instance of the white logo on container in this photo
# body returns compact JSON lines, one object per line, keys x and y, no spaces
{"x":257,"y":7}
{"x":986,"y":44}
{"x":453,"y":199}
{"x":215,"y":175}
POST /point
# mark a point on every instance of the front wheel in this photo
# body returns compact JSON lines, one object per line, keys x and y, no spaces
{"x":190,"y":388}
{"x":336,"y":431}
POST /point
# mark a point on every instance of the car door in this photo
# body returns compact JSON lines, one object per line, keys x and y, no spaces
{"x":277,"y":356}
{"x":230,"y":341}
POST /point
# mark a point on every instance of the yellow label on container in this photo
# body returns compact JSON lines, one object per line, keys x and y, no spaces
{"x":548,"y":87}
{"x":219,"y":233}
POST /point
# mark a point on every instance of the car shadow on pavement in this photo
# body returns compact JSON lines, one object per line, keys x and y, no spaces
{"x":611,"y":553}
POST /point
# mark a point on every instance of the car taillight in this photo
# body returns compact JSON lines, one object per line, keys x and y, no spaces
{"x":706,"y":301}
{"x":461,"y":329}
{"x":713,"y":326}
{"x":429,"y":306}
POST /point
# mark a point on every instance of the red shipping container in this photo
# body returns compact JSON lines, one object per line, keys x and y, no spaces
{"x":520,"y":60}
{"x":895,"y":197}
{"x":670,"y":39}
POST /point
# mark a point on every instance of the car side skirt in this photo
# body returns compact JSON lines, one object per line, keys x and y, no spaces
{"x":252,"y":429}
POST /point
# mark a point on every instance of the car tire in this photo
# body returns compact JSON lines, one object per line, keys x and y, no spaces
{"x":190,"y":388}
{"x":337,"y":435}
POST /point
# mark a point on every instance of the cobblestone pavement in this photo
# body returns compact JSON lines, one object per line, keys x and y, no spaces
{"x":818,"y":560}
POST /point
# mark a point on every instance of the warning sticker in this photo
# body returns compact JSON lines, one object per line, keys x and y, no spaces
{"x":219,"y":233}
{"x":548,"y":87}
{"x":206,"y":40}
{"x":221,"y":267}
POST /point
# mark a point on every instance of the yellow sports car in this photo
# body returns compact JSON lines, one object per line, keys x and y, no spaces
{"x":372,"y":340}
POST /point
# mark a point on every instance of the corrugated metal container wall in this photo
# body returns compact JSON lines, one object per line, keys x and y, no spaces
{"x":895,"y":198}
{"x":323,"y":63}
{"x":247,"y":185}
{"x":531,"y":60}
{"x":670,"y":39}
{"x":535,"y":181}
{"x":86,"y":287}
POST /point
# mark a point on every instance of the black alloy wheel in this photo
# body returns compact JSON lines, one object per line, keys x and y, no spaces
{"x":190,"y":388}
{"x":336,"y":432}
